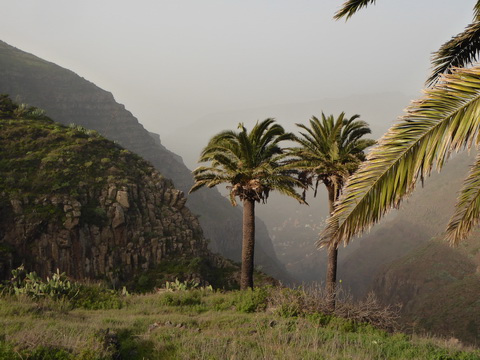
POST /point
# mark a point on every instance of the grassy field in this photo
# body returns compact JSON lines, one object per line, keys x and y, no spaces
{"x":268,"y":323}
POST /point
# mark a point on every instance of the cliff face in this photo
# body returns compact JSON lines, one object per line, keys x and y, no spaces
{"x":131,"y":228}
{"x":68,"y":98}
{"x":72,"y":200}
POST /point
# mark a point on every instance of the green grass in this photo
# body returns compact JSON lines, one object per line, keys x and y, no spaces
{"x":201,"y":324}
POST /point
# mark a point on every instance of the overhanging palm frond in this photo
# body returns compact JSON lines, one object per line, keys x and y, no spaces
{"x":461,"y":51}
{"x":350,"y":7}
{"x":476,"y":10}
{"x":467,"y":209}
{"x":446,"y":119}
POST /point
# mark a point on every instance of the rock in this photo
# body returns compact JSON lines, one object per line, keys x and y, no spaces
{"x":122,"y":198}
{"x":17,"y":206}
{"x":118,"y":217}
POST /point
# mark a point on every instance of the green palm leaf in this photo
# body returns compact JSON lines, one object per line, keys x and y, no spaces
{"x":446,"y":119}
{"x":476,"y":10}
{"x":462,"y":50}
{"x":350,"y":7}
{"x":467,"y":210}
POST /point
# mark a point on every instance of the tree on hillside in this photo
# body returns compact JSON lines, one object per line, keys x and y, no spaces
{"x":445,"y":120}
{"x":330,"y":150}
{"x":253,"y":164}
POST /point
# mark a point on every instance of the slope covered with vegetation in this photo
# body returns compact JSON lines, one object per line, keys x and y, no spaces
{"x":73,"y":200}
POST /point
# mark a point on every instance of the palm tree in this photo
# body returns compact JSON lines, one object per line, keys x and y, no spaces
{"x":445,"y":120}
{"x":253,"y":164}
{"x":331,"y":150}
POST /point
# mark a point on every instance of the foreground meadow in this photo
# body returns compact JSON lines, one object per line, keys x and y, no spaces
{"x":267,"y":323}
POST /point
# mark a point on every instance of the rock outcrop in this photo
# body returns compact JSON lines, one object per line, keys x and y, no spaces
{"x":130,"y":229}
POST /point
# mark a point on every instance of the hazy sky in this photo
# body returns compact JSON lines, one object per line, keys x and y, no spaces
{"x":173,"y":61}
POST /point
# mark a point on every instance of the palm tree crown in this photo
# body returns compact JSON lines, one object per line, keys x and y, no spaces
{"x":331,"y":149}
{"x":447,"y":119}
{"x":252,"y":163}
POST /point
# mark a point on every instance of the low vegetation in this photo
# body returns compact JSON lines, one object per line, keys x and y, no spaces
{"x":40,"y":156}
{"x":187,"y":321}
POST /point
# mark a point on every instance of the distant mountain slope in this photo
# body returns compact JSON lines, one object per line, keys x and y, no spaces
{"x":439,"y":288}
{"x":69,"y":98}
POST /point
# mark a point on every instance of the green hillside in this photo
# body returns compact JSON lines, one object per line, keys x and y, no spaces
{"x":73,"y":200}
{"x":41,"y":157}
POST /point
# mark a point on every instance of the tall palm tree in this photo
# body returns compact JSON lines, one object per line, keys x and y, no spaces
{"x":331,"y":150}
{"x":253,"y":164}
{"x":445,"y":120}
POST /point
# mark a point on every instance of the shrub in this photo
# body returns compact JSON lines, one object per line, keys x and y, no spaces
{"x":58,"y":287}
{"x":97,"y":297}
{"x":181,"y":286}
{"x":248,"y":301}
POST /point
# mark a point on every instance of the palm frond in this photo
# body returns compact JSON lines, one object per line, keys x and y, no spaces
{"x":446,"y":119}
{"x":460,"y":51}
{"x":350,"y":7}
{"x":467,"y":209}
{"x":476,"y":11}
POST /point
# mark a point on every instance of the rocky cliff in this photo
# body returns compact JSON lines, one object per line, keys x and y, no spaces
{"x":70,"y":199}
{"x":68,"y":98}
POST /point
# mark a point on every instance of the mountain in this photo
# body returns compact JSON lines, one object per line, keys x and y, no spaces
{"x":68,"y":98}
{"x":73,"y":200}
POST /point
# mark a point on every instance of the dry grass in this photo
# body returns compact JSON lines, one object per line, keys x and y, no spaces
{"x":313,"y":299}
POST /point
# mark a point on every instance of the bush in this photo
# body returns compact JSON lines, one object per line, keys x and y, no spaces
{"x":249,"y":301}
{"x":58,"y":287}
{"x":97,"y":297}
{"x":181,"y":286}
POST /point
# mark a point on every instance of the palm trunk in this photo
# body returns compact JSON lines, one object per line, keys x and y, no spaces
{"x":332,"y":256}
{"x":248,"y":244}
